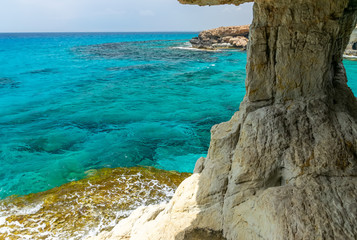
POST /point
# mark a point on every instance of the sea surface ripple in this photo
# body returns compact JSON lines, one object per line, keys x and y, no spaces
{"x":72,"y":102}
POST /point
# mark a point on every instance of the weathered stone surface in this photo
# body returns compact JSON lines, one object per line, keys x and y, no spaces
{"x":222,"y":37}
{"x":167,"y":221}
{"x":199,"y":165}
{"x":285,"y":165}
{"x":239,"y":42}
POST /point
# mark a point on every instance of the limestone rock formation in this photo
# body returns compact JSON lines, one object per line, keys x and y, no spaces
{"x":222,"y":37}
{"x":351,"y":50}
{"x":214,"y":2}
{"x":285,"y":165}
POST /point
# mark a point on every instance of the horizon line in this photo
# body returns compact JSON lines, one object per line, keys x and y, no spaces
{"x":178,"y":31}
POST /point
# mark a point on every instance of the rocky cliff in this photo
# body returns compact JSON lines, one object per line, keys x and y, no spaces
{"x":222,"y":37}
{"x":285,"y":165}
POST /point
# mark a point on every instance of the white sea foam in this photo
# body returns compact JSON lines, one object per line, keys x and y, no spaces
{"x":29,"y":210}
{"x":2,"y":220}
{"x":93,"y":200}
{"x":350,"y":57}
{"x":197,"y":49}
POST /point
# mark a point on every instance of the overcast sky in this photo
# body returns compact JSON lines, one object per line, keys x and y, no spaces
{"x":116,"y":15}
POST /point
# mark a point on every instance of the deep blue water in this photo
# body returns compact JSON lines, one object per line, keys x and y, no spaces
{"x":74,"y":102}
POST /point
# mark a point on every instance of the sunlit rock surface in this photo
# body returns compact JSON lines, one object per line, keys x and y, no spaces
{"x":86,"y":207}
{"x":222,"y":37}
{"x":285,"y":165}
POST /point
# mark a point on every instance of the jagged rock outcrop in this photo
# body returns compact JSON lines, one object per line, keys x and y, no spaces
{"x":351,"y":50}
{"x":238,"y":37}
{"x":222,"y":37}
{"x":285,"y":165}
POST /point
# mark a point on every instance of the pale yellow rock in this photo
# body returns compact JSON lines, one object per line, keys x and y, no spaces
{"x":222,"y":37}
{"x":239,"y":42}
{"x":166,"y":221}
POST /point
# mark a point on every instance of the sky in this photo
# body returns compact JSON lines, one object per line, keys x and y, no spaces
{"x":116,"y":16}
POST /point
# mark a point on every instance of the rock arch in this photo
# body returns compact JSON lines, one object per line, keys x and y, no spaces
{"x":285,"y":165}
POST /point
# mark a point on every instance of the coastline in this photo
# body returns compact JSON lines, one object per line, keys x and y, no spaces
{"x":84,"y":208}
{"x":237,"y":37}
{"x":276,"y":170}
{"x":37,"y":208}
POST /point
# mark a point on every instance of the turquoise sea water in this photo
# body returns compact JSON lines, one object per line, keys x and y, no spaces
{"x":74,"y":102}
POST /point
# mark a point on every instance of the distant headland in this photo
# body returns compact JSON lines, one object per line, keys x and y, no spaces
{"x":237,"y":37}
{"x":222,"y":37}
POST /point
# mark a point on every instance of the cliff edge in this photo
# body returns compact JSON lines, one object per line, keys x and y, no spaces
{"x":285,"y":165}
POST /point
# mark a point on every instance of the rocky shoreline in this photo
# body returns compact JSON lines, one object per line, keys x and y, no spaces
{"x":222,"y":38}
{"x":237,"y":37}
{"x":284,"y":166}
{"x":88,"y":206}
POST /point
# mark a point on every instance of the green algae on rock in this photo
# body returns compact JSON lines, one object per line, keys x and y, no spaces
{"x":86,"y":207}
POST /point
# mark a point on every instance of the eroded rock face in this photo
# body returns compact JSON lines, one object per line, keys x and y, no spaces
{"x":222,"y":37}
{"x":285,"y":165}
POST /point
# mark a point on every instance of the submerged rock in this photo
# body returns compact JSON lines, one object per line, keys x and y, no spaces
{"x":8,"y":83}
{"x":86,"y":207}
{"x":285,"y":165}
{"x":222,"y":37}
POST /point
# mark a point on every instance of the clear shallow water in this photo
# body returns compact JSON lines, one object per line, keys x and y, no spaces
{"x":74,"y":102}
